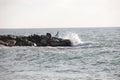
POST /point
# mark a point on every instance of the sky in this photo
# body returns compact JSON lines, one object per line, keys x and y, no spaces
{"x":59,"y":13}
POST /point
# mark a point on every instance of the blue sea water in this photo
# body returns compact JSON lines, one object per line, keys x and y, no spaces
{"x":98,"y":61}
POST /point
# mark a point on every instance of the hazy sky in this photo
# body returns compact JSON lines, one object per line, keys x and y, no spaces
{"x":59,"y":13}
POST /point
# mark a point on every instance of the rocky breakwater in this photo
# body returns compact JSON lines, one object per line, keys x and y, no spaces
{"x":33,"y":40}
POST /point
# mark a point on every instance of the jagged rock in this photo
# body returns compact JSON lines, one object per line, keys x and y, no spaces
{"x":61,"y":43}
{"x":56,"y":39}
{"x":7,"y":37}
{"x":11,"y":42}
{"x":33,"y":40}
{"x":48,"y":35}
{"x":23,"y":41}
{"x":3,"y":43}
{"x":43,"y":42}
{"x":12,"y":37}
{"x":8,"y":42}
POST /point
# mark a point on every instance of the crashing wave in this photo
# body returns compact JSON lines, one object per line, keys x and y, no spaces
{"x":73,"y":37}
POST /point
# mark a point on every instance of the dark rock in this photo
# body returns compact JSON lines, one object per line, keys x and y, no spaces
{"x":48,"y":35}
{"x":43,"y":42}
{"x":56,"y":39}
{"x":33,"y":40}
{"x":7,"y":37}
{"x":3,"y":43}
{"x":23,"y":41}
{"x":12,"y":37}
{"x":11,"y":42}
{"x":61,"y":43}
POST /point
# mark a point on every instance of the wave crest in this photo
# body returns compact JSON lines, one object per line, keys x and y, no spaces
{"x":73,"y":37}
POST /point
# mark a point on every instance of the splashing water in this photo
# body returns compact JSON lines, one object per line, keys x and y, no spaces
{"x":73,"y":37}
{"x":101,"y":61}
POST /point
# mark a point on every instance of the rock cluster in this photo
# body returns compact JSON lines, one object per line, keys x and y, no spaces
{"x":33,"y":40}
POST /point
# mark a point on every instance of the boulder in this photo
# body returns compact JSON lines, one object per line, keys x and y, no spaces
{"x":48,"y":35}
{"x":33,"y":40}
{"x":3,"y":43}
{"x":44,"y":42}
{"x":23,"y":41}
{"x":11,"y":42}
{"x":61,"y":43}
{"x":7,"y":37}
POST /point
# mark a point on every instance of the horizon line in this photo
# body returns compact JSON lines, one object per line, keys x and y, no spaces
{"x":59,"y":27}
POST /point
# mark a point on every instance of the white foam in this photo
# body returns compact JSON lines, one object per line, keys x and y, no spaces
{"x":73,"y":37}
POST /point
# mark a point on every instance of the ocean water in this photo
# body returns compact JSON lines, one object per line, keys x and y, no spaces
{"x":98,"y":61}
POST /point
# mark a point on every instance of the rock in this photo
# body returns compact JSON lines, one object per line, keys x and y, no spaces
{"x":12,"y":37}
{"x":7,"y":37}
{"x":61,"y":43}
{"x":29,"y":43}
{"x":34,"y":44}
{"x":11,"y":42}
{"x":48,"y":35}
{"x":44,"y":42}
{"x":33,"y":40}
{"x":3,"y":43}
{"x":23,"y":41}
{"x":56,"y":39}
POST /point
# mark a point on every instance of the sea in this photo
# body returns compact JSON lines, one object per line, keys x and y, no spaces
{"x":98,"y":60}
